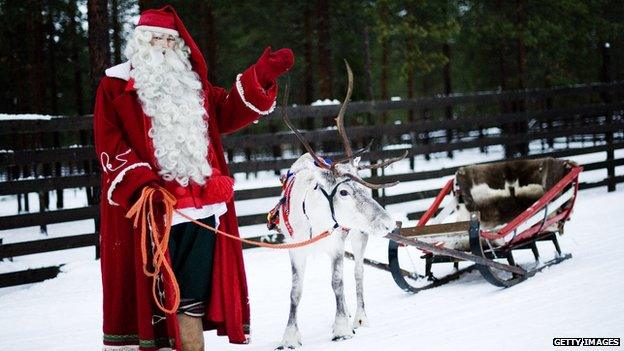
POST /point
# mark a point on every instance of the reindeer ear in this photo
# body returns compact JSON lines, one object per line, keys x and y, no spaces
{"x":356,"y":161}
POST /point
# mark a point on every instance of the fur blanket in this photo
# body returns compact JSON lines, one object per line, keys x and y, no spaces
{"x":501,"y":191}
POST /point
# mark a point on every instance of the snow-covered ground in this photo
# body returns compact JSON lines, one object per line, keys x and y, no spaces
{"x":581,"y":297}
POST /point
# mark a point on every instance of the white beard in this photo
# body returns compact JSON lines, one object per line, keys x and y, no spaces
{"x":171,"y":95}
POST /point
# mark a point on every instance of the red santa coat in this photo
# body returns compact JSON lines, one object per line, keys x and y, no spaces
{"x":126,"y":154}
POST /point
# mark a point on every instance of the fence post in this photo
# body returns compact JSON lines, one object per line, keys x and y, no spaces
{"x":606,"y":97}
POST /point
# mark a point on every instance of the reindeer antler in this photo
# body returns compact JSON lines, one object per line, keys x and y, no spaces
{"x":358,"y":153}
{"x":349,"y":155}
{"x":319,"y":161}
{"x":347,"y":144}
{"x":367,"y":184}
{"x":385,"y":163}
{"x":343,"y":108}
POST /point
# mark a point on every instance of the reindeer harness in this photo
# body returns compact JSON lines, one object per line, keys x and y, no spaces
{"x":283,"y":204}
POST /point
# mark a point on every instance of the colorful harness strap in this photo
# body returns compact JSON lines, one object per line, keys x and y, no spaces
{"x":273,"y":219}
{"x":286,"y":205}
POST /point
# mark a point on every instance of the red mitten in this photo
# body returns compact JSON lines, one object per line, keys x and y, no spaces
{"x":271,"y":65}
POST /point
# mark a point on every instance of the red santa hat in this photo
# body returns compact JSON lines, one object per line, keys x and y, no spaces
{"x":166,"y":20}
{"x":158,"y":21}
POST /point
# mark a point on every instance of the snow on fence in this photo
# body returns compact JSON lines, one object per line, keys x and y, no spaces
{"x":48,"y":155}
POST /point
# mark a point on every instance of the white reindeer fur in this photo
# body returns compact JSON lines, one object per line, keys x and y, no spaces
{"x":373,"y":220}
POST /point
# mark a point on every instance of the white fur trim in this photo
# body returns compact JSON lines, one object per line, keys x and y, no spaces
{"x":119,"y":178}
{"x":217,"y":210}
{"x":159,"y":30}
{"x":121,"y":71}
{"x":239,"y":87}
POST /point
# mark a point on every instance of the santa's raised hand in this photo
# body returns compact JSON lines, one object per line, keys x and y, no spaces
{"x":273,"y":64}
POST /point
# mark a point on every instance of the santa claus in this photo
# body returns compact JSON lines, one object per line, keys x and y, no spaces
{"x":158,"y":123}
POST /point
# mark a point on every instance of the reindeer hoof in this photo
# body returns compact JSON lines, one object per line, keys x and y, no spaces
{"x":342,"y":330}
{"x":289,"y":347}
{"x":291,"y":340}
{"x":342,"y":337}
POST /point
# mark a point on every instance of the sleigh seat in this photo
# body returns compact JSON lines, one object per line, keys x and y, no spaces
{"x":498,"y":193}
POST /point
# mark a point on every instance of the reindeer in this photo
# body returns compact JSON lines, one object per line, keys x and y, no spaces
{"x":322,"y":195}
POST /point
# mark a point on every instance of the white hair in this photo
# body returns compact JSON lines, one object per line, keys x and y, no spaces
{"x":171,"y":95}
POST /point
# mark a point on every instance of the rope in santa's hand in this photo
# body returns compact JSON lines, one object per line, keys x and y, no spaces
{"x":257,"y":243}
{"x":143,"y":211}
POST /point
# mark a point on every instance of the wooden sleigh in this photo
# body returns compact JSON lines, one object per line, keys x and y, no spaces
{"x":499,"y":208}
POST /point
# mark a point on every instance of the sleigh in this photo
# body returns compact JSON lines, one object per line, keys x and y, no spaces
{"x":492,"y":212}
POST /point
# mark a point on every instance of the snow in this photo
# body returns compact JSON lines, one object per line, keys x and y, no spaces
{"x":325,"y":102}
{"x":580,"y":297}
{"x":6,"y":117}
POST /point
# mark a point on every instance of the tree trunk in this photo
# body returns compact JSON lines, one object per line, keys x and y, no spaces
{"x":99,"y":45}
{"x":75,"y":58}
{"x":426,"y":112}
{"x":605,"y":76}
{"x":208,"y":38}
{"x":52,"y":60}
{"x":308,"y":82}
{"x":368,"y":70}
{"x":34,"y":63}
{"x":409,"y":45}
{"x":308,"y":64}
{"x":504,"y":85}
{"x":324,"y":61}
{"x":411,"y":116}
{"x":116,"y":31}
{"x":385,"y":56}
{"x":324,"y":49}
{"x":99,"y":57}
{"x":522,"y":127}
{"x":448,"y":90}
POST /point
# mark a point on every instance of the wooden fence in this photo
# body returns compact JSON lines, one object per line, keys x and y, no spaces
{"x":42,"y":156}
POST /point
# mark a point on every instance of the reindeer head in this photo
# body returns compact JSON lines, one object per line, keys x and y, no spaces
{"x":348,"y":197}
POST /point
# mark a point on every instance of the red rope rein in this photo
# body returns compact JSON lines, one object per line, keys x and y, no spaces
{"x":143,"y":217}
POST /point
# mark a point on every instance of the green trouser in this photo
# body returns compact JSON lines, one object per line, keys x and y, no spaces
{"x":191,"y":248}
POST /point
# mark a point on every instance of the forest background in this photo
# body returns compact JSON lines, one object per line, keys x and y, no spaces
{"x":53,"y":52}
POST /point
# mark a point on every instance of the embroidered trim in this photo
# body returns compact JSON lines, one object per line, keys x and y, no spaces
{"x":107,"y":166}
{"x":239,"y":87}
{"x":132,"y":348}
{"x":119,"y":178}
{"x":133,"y":343}
{"x":121,"y":348}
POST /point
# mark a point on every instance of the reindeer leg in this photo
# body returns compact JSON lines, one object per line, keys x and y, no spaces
{"x":358,"y":242}
{"x":341,"y":330}
{"x":292,"y":338}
